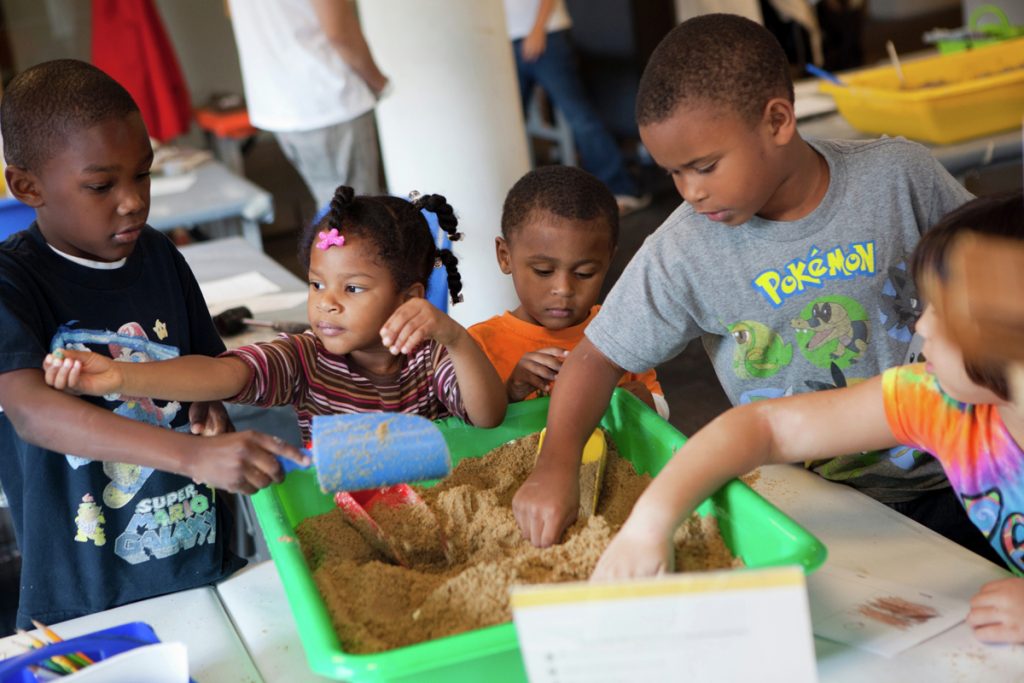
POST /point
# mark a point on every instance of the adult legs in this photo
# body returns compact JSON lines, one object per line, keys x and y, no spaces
{"x":342,"y":154}
{"x":555,"y":71}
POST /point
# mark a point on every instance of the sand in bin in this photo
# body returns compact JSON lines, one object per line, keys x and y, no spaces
{"x":376,"y":606}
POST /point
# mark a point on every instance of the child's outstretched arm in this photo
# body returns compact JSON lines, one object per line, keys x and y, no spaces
{"x":238,"y":462}
{"x":483,"y":392}
{"x":794,"y":429}
{"x":548,"y":500}
{"x":188,"y":378}
{"x":997,"y":612}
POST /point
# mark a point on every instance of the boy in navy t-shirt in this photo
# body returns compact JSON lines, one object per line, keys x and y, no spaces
{"x":113,"y":499}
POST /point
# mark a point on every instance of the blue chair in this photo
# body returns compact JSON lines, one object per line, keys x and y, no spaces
{"x":437,"y":284}
{"x":14,"y":217}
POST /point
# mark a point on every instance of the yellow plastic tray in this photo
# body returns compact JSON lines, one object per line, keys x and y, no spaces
{"x":947,"y":98}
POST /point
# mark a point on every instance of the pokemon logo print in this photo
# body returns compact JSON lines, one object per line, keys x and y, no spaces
{"x":776,"y":286}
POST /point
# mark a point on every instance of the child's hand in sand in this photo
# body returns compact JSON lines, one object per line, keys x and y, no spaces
{"x":637,"y":550}
{"x":547,"y":503}
{"x":414,"y":322}
{"x":82,"y":372}
{"x":535,"y":371}
{"x":997,"y":612}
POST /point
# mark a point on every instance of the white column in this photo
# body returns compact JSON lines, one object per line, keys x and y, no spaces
{"x":453,"y":124}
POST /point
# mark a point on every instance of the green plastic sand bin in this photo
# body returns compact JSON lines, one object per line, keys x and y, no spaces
{"x":753,"y":528}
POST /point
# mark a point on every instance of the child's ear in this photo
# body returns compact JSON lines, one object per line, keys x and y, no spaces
{"x":416,"y":291}
{"x":504,"y":255}
{"x":24,"y":185}
{"x":780,"y":119}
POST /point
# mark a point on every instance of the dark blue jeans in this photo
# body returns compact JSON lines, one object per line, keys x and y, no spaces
{"x":555,"y":71}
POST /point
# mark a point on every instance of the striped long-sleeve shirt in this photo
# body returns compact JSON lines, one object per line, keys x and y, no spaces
{"x":296,"y":370}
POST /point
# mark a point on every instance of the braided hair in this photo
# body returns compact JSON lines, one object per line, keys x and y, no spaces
{"x":398,"y":230}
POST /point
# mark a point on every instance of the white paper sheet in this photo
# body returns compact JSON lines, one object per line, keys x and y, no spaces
{"x":237,"y":289}
{"x":170,"y":184}
{"x":810,"y":101}
{"x":279,"y":301}
{"x":877,"y":615}
{"x":680,"y":627}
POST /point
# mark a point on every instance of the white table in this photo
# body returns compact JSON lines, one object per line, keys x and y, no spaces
{"x":194,"y":617}
{"x":231,"y":256}
{"x":860,"y":534}
{"x":216,"y":195}
{"x":244,"y":630}
{"x":256,"y":601}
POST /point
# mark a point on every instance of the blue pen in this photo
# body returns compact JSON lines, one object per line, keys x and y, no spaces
{"x":824,"y":75}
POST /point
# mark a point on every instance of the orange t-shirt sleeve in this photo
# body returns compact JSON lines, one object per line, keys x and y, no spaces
{"x":497,"y":346}
{"x":649,"y":379}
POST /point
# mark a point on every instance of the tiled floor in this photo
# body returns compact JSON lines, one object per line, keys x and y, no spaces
{"x":691,"y":387}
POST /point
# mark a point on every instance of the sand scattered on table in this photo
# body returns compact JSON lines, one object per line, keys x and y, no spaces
{"x":376,"y":606}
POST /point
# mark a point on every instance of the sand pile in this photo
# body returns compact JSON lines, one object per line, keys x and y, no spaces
{"x":377,"y":606}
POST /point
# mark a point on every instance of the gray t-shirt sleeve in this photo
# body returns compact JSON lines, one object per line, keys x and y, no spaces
{"x":937,"y":192}
{"x":646,"y":318}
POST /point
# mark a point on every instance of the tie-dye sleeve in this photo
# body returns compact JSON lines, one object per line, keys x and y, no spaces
{"x":919,"y":413}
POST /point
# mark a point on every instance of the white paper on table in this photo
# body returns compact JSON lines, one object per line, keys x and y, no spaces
{"x":884,"y":617}
{"x":810,"y":101}
{"x":739,"y":625}
{"x":170,"y":184}
{"x":279,"y":301}
{"x":237,"y":289}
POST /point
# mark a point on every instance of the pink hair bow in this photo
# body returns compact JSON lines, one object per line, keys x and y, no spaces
{"x":330,"y":239}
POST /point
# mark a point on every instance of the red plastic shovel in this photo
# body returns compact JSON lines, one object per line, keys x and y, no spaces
{"x":365,"y":510}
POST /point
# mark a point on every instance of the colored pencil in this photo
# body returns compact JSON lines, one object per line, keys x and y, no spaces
{"x":60,"y":660}
{"x":85,"y":659}
{"x":46,"y":663}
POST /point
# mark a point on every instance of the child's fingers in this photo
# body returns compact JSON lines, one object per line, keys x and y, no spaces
{"x":257,"y":477}
{"x":554,"y":351}
{"x":412,"y":341}
{"x":278,"y":446}
{"x":50,"y":368}
{"x":983,"y":615}
{"x":414,"y":331}
{"x":60,"y":377}
{"x":398,"y":320}
{"x":545,"y":372}
{"x":997,"y":633}
{"x":533,"y":380}
{"x":543,"y":364}
{"x":76,"y":369}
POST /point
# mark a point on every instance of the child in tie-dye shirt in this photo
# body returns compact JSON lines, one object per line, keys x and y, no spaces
{"x":960,"y":410}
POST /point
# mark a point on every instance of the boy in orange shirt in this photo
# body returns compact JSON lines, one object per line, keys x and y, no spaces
{"x":559,"y":231}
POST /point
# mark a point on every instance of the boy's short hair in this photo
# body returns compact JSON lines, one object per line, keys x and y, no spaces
{"x":722,"y":59}
{"x":564,"y":191}
{"x":999,"y":215}
{"x":44,"y":104}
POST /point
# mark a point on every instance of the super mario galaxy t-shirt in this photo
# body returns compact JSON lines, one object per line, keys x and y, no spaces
{"x":94,"y":535}
{"x":984,"y":463}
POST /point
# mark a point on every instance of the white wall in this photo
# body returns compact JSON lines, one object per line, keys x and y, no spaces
{"x":453,"y":125}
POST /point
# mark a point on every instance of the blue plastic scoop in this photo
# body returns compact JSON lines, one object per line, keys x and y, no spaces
{"x":369,"y":450}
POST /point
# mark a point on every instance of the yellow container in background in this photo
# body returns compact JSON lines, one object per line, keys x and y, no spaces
{"x":947,"y":98}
